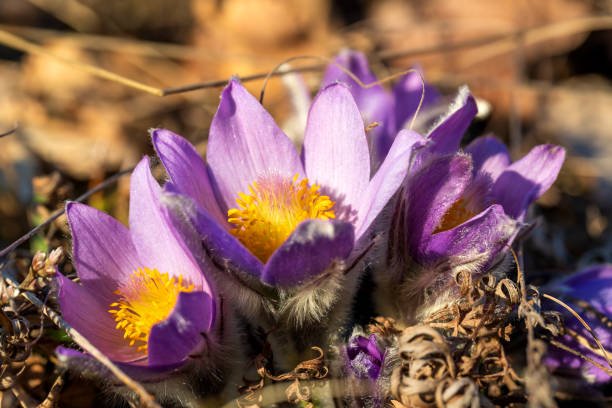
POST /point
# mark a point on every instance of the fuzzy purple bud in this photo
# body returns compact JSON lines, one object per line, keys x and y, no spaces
{"x":365,"y":357}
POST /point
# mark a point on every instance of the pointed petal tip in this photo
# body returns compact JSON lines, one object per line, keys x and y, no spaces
{"x":143,"y":164}
{"x":233,"y":84}
{"x":525,"y":180}
{"x":157,"y":133}
{"x":232,"y":91}
{"x":553,"y":150}
{"x":336,"y":86}
{"x":70,"y":207}
{"x":160,"y":135}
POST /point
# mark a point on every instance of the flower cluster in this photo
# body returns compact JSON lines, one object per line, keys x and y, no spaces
{"x":283,"y":237}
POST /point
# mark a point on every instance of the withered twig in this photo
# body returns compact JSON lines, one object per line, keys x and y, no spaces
{"x":585,"y":325}
{"x":145,"y":398}
{"x":61,"y":211}
{"x":20,"y":44}
{"x":538,"y":392}
{"x":9,"y":132}
{"x":53,"y":395}
{"x":582,"y":356}
{"x":502,"y":43}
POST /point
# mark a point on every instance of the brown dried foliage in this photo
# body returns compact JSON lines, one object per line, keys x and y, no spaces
{"x":458,"y":357}
{"x":22,"y":372}
{"x":296,"y":392}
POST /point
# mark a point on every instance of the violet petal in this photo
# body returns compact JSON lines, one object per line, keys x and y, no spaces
{"x":592,"y":286}
{"x":224,"y":248}
{"x":489,"y":156}
{"x":365,"y":358}
{"x":336,"y":152}
{"x":449,"y":131}
{"x":186,"y":170}
{"x":476,"y":242}
{"x":308,"y":251}
{"x":527,"y":179}
{"x":156,"y":238}
{"x":171,"y":341}
{"x":387,"y":179}
{"x":407,"y":94}
{"x":430,"y":194}
{"x":83,"y":362}
{"x":245,"y":144}
{"x":102,"y":249}
{"x":374,"y":102}
{"x":84,"y":311}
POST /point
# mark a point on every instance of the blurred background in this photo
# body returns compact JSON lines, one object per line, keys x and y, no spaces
{"x":542,"y":69}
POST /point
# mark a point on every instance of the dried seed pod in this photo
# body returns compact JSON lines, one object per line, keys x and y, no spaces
{"x":425,"y":361}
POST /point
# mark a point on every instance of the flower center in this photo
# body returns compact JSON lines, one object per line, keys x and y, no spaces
{"x":273,"y":208}
{"x":146,"y":299}
{"x":456,"y":215}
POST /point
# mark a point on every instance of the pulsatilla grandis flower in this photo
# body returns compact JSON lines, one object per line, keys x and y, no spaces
{"x":392,"y":111}
{"x":278,"y":216}
{"x":460,"y":210}
{"x":143,"y":297}
{"x":463,"y":209}
{"x":589,"y":293}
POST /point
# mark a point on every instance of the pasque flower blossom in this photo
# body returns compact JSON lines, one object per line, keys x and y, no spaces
{"x":463,"y":209}
{"x":589,"y":293}
{"x":278,"y":216}
{"x":143,"y":297}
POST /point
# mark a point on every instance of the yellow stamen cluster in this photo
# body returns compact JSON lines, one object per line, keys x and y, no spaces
{"x":146,"y":299}
{"x":456,"y":215}
{"x":273,"y":208}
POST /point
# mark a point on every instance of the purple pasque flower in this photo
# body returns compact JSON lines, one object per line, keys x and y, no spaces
{"x":143,"y":298}
{"x":461,"y":210}
{"x":393,"y":110}
{"x":589,"y":293}
{"x":365,"y":357}
{"x":278,"y":216}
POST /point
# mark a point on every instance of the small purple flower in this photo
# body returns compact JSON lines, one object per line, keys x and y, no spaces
{"x":277,"y":215}
{"x":143,"y":298}
{"x":463,"y":209}
{"x":589,"y":293}
{"x":365,"y":357}
{"x":392,"y":110}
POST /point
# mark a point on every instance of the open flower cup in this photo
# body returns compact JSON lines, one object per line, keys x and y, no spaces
{"x":143,"y":299}
{"x":277,"y":216}
{"x":462,"y":210}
